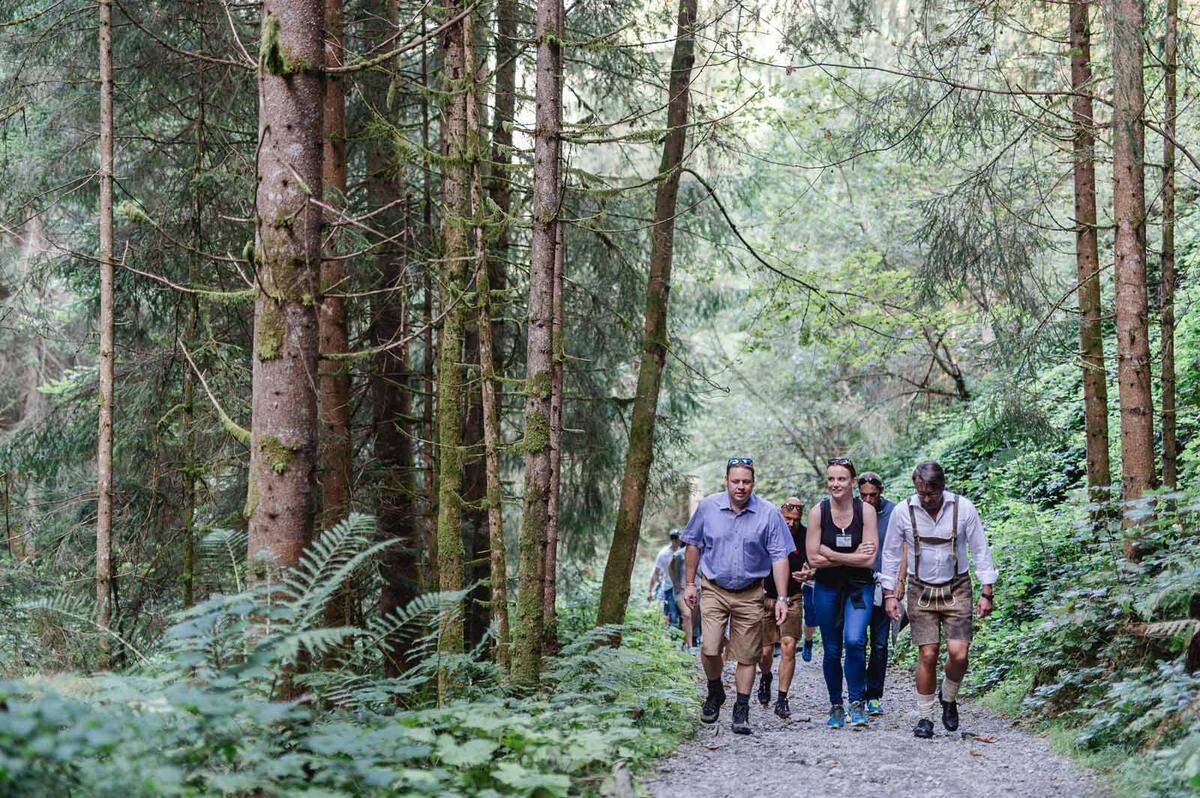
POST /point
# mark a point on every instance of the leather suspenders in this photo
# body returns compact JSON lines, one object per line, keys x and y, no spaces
{"x":912,"y":520}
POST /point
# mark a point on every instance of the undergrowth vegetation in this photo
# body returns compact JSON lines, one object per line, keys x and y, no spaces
{"x":202,"y":712}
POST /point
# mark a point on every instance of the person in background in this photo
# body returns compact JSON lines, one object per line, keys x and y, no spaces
{"x":675,"y":569}
{"x":939,"y":527}
{"x":734,"y":539}
{"x":842,"y":542}
{"x":786,"y":633}
{"x":870,"y":490}
{"x":661,"y":576}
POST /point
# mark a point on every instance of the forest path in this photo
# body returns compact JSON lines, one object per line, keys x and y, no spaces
{"x":803,"y":757}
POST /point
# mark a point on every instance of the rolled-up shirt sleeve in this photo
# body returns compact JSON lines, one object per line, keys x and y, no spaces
{"x":985,"y":567}
{"x":896,"y":532}
{"x":693,"y":533}
{"x":779,"y":543}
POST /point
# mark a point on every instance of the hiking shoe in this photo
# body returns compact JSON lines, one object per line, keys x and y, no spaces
{"x":874,"y":707}
{"x":806,"y":651}
{"x":949,"y":713}
{"x":858,"y":714}
{"x":782,"y":709}
{"x":764,"y":689}
{"x":711,"y":710}
{"x":837,"y":717}
{"x":924,"y":729}
{"x":741,"y":719}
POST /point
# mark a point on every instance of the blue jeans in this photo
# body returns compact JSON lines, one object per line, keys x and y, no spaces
{"x":810,"y":612}
{"x":881,"y":627}
{"x":671,"y":609}
{"x":843,"y":613}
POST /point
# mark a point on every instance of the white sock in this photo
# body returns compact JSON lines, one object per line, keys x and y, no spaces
{"x":949,"y":689}
{"x":926,"y":706}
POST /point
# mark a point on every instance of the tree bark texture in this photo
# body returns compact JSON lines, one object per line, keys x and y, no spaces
{"x":429,"y":406}
{"x":188,"y":414}
{"x":283,"y":431}
{"x":456,"y":180}
{"x":1087,"y":259}
{"x":490,"y":406}
{"x":104,"y":450}
{"x":550,"y":569}
{"x":1129,"y":211}
{"x":528,"y":627}
{"x":1170,"y":445}
{"x":614,"y":592}
{"x":335,"y":455}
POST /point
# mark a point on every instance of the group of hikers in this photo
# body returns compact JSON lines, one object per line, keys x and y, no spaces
{"x":757,"y":576}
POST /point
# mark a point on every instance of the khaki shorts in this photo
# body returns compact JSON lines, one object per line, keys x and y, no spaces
{"x":742,"y":610}
{"x":951,"y":614}
{"x":792,"y":625}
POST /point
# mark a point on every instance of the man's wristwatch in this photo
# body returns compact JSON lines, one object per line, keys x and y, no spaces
{"x":785,"y":601}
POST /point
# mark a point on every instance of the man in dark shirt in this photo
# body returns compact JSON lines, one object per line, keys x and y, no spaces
{"x":786,"y":633}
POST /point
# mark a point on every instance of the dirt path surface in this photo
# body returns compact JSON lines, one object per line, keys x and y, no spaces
{"x":986,"y":757}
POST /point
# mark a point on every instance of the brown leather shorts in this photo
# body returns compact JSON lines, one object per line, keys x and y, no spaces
{"x":933,"y":610}
{"x":792,"y":625}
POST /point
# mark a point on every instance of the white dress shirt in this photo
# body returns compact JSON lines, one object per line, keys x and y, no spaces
{"x":938,"y":563}
{"x":663,"y":563}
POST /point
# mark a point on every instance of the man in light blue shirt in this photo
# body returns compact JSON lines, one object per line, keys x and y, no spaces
{"x":734,"y":539}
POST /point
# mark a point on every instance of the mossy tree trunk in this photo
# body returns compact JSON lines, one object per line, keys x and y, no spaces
{"x":614,"y":592}
{"x":105,"y":592}
{"x":550,"y":568}
{"x":1169,"y":277}
{"x":1125,"y":26}
{"x":456,"y":211}
{"x":283,"y":431}
{"x":1087,"y":259}
{"x":528,"y":627}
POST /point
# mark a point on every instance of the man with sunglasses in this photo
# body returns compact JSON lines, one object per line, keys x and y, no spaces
{"x":870,"y":490}
{"x":939,"y":528}
{"x":734,"y":539}
{"x":784,"y":634}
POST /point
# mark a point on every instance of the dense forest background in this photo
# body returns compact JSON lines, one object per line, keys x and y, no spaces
{"x":357,"y":352}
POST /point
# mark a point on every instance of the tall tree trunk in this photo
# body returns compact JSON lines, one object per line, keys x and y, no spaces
{"x":456,"y":181}
{"x":614,"y":593}
{"x":188,"y":579}
{"x":283,"y":429}
{"x":490,"y":407}
{"x":104,"y":454}
{"x":1170,"y":446}
{"x":550,"y":571}
{"x":498,"y":179}
{"x":1129,"y":210}
{"x":527,"y":631}
{"x":429,"y":407}
{"x":335,"y":457}
{"x":1087,"y":259}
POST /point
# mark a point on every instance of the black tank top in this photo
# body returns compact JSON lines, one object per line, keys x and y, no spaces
{"x":840,"y":575}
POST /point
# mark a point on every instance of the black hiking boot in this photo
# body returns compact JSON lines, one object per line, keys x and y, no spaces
{"x":924,"y":729}
{"x":741,"y":718}
{"x":711,"y":710}
{"x":782,"y":709}
{"x":949,"y":713}
{"x":764,"y":689}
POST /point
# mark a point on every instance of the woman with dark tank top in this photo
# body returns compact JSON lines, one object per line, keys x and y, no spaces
{"x":842,"y":539}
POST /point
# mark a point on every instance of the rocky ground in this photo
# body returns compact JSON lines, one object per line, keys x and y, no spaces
{"x":987,"y":756}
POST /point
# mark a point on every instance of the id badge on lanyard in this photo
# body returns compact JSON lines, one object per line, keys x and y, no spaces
{"x":844,"y":541}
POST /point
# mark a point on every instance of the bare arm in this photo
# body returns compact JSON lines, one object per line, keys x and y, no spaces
{"x":691,"y":560}
{"x":655,"y":577}
{"x":812,"y":540}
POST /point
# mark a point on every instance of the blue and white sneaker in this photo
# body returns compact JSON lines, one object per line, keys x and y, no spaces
{"x":858,"y":714}
{"x":837,"y":717}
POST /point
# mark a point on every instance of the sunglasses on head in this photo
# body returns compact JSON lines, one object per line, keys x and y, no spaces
{"x":870,"y":481}
{"x":838,"y":461}
{"x":740,"y":461}
{"x":793,"y":506}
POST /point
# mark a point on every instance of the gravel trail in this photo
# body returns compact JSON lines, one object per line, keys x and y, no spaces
{"x":986,"y":757}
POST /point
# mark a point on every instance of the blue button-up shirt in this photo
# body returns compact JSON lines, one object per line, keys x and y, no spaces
{"x":883,"y":516}
{"x":737,"y":548}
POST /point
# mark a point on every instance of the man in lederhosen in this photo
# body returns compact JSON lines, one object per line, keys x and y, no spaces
{"x":939,"y":527}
